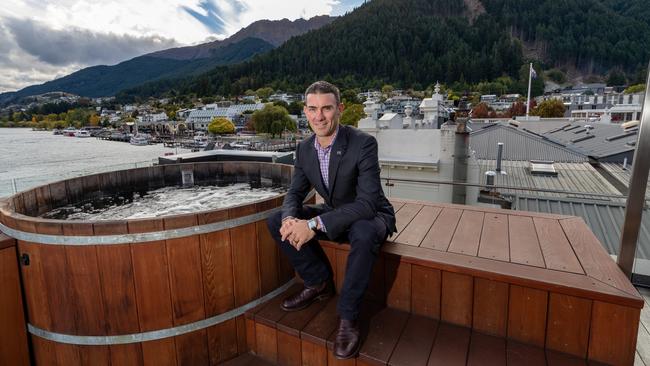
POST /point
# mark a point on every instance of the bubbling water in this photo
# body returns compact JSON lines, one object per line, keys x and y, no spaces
{"x":164,"y":202}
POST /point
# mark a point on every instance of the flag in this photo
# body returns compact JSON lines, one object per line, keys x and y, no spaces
{"x":533,"y":74}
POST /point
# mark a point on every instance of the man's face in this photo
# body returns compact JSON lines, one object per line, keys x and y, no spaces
{"x":323,"y":113}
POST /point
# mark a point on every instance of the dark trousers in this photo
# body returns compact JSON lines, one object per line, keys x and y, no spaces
{"x":365,"y":238}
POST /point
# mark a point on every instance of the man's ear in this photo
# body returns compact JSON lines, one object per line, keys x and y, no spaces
{"x":341,"y":107}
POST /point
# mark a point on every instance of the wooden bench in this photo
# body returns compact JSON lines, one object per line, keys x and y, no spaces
{"x":473,"y":284}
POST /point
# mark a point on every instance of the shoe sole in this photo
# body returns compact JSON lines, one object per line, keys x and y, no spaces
{"x":316,"y":299}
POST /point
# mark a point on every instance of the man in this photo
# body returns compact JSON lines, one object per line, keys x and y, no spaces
{"x":341,"y":163}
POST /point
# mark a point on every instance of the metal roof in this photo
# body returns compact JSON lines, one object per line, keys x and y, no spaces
{"x":604,"y":218}
{"x":607,"y":140}
{"x":571,"y":177}
{"x":623,"y":175}
{"x":518,"y":145}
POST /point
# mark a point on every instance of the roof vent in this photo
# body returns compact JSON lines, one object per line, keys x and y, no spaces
{"x":541,"y":167}
{"x":586,"y":137}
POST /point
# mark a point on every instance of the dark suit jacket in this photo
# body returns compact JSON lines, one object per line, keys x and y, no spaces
{"x":355,"y":190}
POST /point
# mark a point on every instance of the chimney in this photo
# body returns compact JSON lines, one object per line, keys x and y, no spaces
{"x":499,"y":157}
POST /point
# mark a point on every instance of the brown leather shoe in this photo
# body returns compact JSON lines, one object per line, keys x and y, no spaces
{"x":347,"y":343}
{"x":308,"y":296}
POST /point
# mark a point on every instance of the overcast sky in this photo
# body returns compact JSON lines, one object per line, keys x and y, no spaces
{"x":45,"y":39}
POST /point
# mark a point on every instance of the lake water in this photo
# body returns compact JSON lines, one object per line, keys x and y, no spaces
{"x":164,"y":202}
{"x":31,"y":158}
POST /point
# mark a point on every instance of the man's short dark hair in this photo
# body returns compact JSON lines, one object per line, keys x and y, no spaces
{"x":323,"y":87}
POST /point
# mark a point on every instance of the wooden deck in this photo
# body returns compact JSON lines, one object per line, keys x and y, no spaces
{"x":498,"y":285}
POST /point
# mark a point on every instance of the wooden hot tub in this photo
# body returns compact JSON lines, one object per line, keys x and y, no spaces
{"x":166,"y":290}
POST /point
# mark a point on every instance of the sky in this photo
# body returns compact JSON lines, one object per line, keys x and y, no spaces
{"x":41,"y":40}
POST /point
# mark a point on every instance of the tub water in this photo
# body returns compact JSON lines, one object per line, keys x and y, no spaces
{"x":164,"y":202}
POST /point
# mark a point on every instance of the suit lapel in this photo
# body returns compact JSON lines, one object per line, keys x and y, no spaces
{"x":336,"y":155}
{"x":314,"y":173}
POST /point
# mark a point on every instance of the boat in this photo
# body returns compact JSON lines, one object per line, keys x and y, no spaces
{"x":70,"y":131}
{"x":140,"y":139}
{"x":57,"y":131}
{"x":82,"y":133}
{"x":200,"y":140}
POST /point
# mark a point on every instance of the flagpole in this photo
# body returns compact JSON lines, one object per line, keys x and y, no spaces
{"x":530,"y":77}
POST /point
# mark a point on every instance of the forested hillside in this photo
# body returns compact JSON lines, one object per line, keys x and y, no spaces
{"x":414,"y":43}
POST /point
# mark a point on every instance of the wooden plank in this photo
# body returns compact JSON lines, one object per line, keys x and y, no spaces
{"x":562,"y":359}
{"x":34,"y":286}
{"x":397,"y":204}
{"x":313,"y":354}
{"x":467,"y":237}
{"x":186,"y":279}
{"x":593,"y":257}
{"x":159,"y":352}
{"x":524,"y":245}
{"x":485,"y":350}
{"x":218,"y":289}
{"x":319,"y":329}
{"x":85,"y":283}
{"x":450,"y":347}
{"x":490,"y":307}
{"x":57,"y":287}
{"x":524,"y":354}
{"x":613,"y":333}
{"x":425,"y":295}
{"x":192,"y":348}
{"x":527,"y":309}
{"x":245,"y":267}
{"x":95,"y":355}
{"x":568,"y":323}
{"x":293,"y":322}
{"x":494,"y":238}
{"x":66,"y":354}
{"x":250,"y":335}
{"x":270,"y":313}
{"x":267,"y":343}
{"x":13,"y":337}
{"x":289,"y":351}
{"x":43,"y":351}
{"x":557,"y":251}
{"x":398,"y":285}
{"x":529,"y":276}
{"x":418,"y":228}
{"x":404,"y":216}
{"x":415,"y":343}
{"x":246,"y":360}
{"x":223,"y":342}
{"x":442,"y":230}
{"x":267,"y":249}
{"x":126,"y":354}
{"x":333,"y":361}
{"x":384,"y":333}
{"x":118,"y":284}
{"x":456,"y":299}
{"x":242,"y":347}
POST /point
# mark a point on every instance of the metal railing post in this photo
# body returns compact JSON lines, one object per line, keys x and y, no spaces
{"x":638,"y":184}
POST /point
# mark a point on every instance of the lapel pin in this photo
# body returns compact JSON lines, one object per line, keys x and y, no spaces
{"x":338,"y":152}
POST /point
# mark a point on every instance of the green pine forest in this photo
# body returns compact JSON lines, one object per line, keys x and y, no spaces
{"x":414,"y":43}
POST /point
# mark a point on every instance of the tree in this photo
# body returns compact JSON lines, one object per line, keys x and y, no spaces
{"x":387,"y":89}
{"x":633,"y":89}
{"x":481,"y":111}
{"x":264,"y":93}
{"x":616,"y":77}
{"x":517,"y":109}
{"x":352,"y":114}
{"x":220,"y":126}
{"x":552,"y":108}
{"x":295,"y":108}
{"x":94,"y":120}
{"x":264,"y":119}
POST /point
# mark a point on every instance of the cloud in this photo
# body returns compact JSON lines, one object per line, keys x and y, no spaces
{"x":80,"y":46}
{"x":214,"y":14}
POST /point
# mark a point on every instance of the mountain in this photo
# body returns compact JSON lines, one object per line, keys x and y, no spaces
{"x":414,"y":43}
{"x":99,"y":81}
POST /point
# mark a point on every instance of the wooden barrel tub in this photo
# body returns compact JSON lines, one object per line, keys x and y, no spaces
{"x":160,"y":291}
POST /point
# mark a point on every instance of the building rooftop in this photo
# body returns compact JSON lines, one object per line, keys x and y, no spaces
{"x":518,"y":145}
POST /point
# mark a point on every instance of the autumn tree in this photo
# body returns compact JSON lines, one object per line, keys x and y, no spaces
{"x":272,"y":119}
{"x":352,"y":114}
{"x":517,"y":109}
{"x":481,"y":111}
{"x":220,"y":126}
{"x":552,"y":108}
{"x":94,"y":120}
